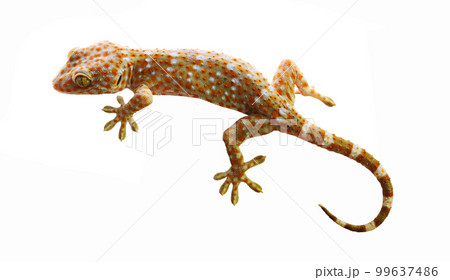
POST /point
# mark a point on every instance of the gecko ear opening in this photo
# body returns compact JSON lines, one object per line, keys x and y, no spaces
{"x":82,"y":80}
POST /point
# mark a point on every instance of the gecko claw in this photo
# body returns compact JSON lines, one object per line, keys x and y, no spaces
{"x":224,"y":188}
{"x":235,"y":193}
{"x":122,"y":131}
{"x":109,"y":125}
{"x":120,"y":100}
{"x":220,"y":175}
{"x":133,"y":124}
{"x":109,"y":109}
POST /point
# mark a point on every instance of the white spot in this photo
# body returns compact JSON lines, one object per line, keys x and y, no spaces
{"x":218,"y":73}
{"x":189,"y":79}
{"x":387,"y":201}
{"x":370,"y":226}
{"x":174,"y":54}
{"x":234,"y":80}
{"x":159,"y":78}
{"x":153,"y":73}
{"x":233,"y":96}
{"x":140,"y":70}
{"x":201,"y":57}
{"x":233,"y":88}
{"x":170,"y":69}
{"x":223,"y":97}
{"x":356,"y":150}
{"x":211,"y":79}
{"x":213,"y":87}
{"x":328,"y":139}
{"x":192,"y":87}
{"x":196,"y":67}
{"x":250,"y":76}
{"x":148,"y":59}
{"x":283,"y":112}
{"x":174,"y":61}
{"x":226,"y":92}
{"x":380,"y":172}
{"x":265,"y":93}
{"x":271,"y":88}
{"x":190,"y":73}
{"x":208,"y":91}
{"x":230,"y":66}
{"x":282,"y":87}
{"x":305,"y":129}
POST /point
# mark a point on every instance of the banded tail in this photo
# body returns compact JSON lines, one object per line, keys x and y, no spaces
{"x":315,"y":135}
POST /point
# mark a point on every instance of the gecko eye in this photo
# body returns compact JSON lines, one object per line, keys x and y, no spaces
{"x":82,"y":80}
{"x":118,"y":81}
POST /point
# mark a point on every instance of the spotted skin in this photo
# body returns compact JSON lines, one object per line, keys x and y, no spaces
{"x":222,"y":80}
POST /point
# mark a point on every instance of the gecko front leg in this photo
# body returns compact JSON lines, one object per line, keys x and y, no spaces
{"x":245,"y":128}
{"x":141,"y":99}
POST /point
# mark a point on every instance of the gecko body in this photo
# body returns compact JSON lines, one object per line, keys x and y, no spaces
{"x":223,"y":80}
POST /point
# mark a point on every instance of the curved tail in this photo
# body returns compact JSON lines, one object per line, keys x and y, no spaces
{"x":315,"y":135}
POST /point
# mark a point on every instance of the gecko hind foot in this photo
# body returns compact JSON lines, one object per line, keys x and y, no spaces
{"x":122,"y":116}
{"x":235,"y":175}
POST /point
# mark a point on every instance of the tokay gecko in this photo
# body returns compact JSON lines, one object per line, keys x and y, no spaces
{"x":229,"y":82}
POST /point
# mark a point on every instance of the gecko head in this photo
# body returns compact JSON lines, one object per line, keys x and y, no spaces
{"x":97,"y":69}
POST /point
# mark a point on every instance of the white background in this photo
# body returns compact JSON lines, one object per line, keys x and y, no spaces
{"x":73,"y":193}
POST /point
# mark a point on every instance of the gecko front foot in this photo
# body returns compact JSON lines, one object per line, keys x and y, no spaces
{"x":123,"y":116}
{"x":235,"y":175}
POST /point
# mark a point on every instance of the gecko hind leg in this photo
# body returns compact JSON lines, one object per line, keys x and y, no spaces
{"x":243,"y":129}
{"x":287,"y":76}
